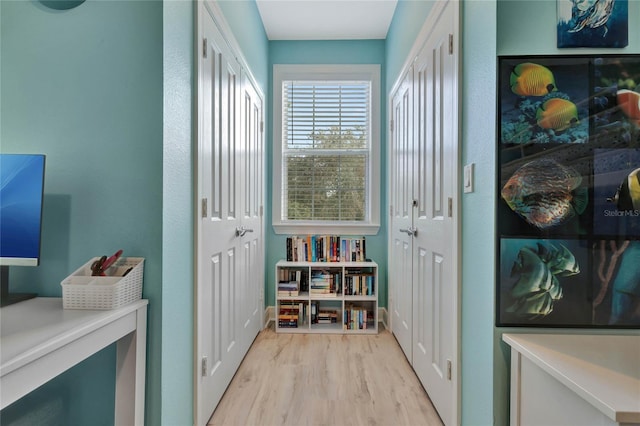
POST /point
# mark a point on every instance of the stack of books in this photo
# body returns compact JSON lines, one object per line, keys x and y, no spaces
{"x":323,"y":284}
{"x":327,"y":316}
{"x":288,"y":289}
{"x":291,"y":314}
{"x":289,"y":283}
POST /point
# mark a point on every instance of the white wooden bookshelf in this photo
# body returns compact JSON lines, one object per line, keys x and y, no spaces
{"x":352,"y":297}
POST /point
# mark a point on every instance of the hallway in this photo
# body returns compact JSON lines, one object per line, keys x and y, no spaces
{"x":325,"y":379}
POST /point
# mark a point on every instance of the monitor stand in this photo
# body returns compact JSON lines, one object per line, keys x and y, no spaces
{"x":7,"y":298}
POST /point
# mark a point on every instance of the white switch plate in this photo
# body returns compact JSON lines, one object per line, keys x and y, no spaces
{"x":468,"y":177}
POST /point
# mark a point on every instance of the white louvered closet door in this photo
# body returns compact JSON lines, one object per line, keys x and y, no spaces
{"x":401,"y":200}
{"x":435,"y":282}
{"x":251,"y":155}
{"x":218,"y":341}
{"x":424,"y":199}
{"x":229,"y":234}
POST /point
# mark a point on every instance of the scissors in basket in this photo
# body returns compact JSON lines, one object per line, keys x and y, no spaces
{"x":99,"y":266}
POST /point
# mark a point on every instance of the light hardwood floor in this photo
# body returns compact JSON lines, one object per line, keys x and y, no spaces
{"x":325,"y":379}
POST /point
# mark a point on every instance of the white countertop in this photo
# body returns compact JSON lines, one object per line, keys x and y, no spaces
{"x":604,"y":370}
{"x":36,"y":326}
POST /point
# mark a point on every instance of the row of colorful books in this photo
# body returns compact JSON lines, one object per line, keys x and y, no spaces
{"x":356,"y":318}
{"x":359,"y":285}
{"x":326,"y":248}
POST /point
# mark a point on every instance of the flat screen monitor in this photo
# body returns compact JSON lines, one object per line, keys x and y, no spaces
{"x":21,"y":199}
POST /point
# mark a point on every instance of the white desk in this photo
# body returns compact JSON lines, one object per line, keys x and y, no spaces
{"x":40,"y":340}
{"x":570,"y":379}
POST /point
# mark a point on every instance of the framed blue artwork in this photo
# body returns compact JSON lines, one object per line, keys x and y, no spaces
{"x":593,"y":23}
{"x":568,"y":191}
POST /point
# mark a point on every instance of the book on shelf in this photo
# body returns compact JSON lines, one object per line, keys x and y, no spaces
{"x":291,"y":314}
{"x":323,"y":282}
{"x":356,"y":318}
{"x":325,"y":248}
{"x":298,"y":276}
{"x":359,"y":285}
{"x":327,"y":316}
{"x":319,"y":293}
{"x":288,"y":288}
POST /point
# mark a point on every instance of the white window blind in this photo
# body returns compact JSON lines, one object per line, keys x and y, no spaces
{"x":326,"y":137}
{"x":326,"y":152}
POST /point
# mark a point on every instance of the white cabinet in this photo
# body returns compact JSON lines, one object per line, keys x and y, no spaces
{"x":326,"y":297}
{"x":561,"y":379}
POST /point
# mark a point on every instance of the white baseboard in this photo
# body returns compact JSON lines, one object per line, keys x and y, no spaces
{"x":269,"y":315}
{"x":383,"y":317}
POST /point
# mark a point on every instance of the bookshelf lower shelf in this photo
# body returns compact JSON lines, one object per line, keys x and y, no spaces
{"x":326,"y":297}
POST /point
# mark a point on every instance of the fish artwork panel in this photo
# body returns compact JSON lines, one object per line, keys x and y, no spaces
{"x":568,"y":182}
{"x":592,"y":23}
{"x":616,"y":267}
{"x":616,"y":107}
{"x":545,"y":193}
{"x":616,"y":192}
{"x":544,"y":101}
{"x":541,"y":281}
{"x":629,"y":104}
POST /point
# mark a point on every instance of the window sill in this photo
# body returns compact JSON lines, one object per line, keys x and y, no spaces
{"x":326,"y":228}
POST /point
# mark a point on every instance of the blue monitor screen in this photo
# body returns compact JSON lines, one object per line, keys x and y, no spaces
{"x":21,"y":193}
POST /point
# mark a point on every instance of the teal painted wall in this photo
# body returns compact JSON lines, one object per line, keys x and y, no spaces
{"x":478,"y":223}
{"x":176,"y":376}
{"x":407,"y":22}
{"x":327,"y":52}
{"x":84,"y":86}
{"x":245,"y":21}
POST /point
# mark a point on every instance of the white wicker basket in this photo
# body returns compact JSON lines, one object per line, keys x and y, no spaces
{"x":80,"y":290}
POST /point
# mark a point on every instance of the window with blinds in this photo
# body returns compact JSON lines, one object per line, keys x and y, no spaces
{"x":326,"y":151}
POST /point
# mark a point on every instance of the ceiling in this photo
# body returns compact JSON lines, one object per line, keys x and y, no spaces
{"x":326,"y":19}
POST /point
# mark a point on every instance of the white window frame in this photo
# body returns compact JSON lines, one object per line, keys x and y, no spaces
{"x":367,"y":72}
